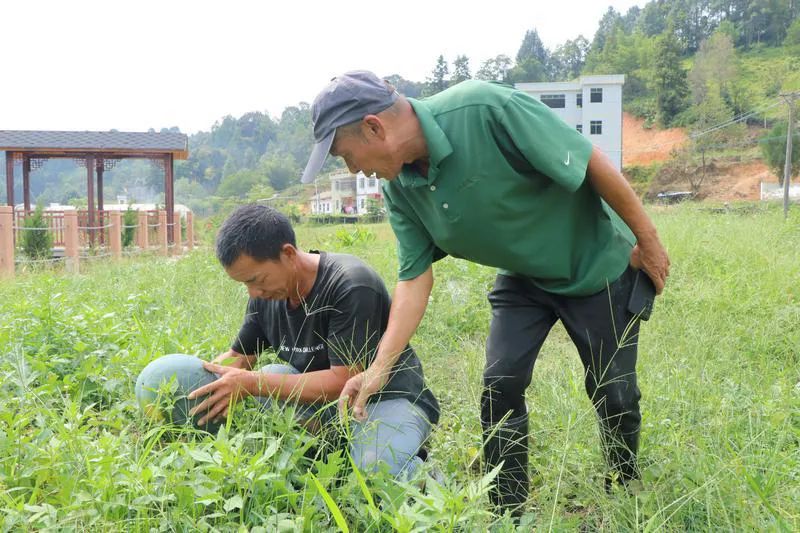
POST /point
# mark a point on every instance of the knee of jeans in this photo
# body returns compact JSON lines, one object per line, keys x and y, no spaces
{"x":279,"y":369}
{"x":369,"y":460}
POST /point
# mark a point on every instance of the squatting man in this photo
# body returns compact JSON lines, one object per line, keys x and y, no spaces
{"x":323,"y":314}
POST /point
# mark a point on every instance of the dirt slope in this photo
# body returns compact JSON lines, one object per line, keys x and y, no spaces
{"x":726,"y":181}
{"x":642,"y":146}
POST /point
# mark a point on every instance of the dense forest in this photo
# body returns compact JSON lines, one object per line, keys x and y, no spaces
{"x":690,"y":63}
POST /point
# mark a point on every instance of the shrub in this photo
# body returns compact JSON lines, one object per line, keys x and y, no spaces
{"x":358,"y":235}
{"x":129,"y":218}
{"x":375,"y":210}
{"x":773,"y":148}
{"x":36,"y":243}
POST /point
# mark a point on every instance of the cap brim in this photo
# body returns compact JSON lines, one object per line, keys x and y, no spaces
{"x":317,"y":159}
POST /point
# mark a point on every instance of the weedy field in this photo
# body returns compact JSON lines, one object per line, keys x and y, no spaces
{"x":719,"y":370}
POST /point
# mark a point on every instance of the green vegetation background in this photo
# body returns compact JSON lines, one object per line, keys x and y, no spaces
{"x":718,"y":371}
{"x":674,"y":76}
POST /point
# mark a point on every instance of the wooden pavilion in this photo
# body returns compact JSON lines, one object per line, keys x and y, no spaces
{"x":98,"y":151}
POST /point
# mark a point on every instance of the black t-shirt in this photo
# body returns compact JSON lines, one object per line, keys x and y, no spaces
{"x":340,"y":322}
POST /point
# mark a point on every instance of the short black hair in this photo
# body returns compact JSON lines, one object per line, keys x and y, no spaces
{"x":255,"y":230}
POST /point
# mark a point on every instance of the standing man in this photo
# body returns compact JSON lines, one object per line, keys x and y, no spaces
{"x":484,"y":172}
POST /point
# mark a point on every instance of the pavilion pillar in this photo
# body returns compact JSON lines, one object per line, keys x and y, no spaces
{"x":10,"y":178}
{"x":100,"y":184}
{"x":141,"y":232}
{"x":176,"y":234}
{"x":100,"y":217}
{"x":6,"y":240}
{"x":115,"y":234}
{"x":71,"y":241}
{"x":189,"y":231}
{"x":169,"y":192}
{"x":90,"y":195}
{"x":26,"y":182}
{"x":163,"y":233}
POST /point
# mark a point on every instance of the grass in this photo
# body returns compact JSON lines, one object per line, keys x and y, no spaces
{"x":718,"y":371}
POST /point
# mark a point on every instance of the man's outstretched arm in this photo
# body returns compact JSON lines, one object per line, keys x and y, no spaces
{"x":408,"y":307}
{"x":236,"y":383}
{"x":648,"y":254}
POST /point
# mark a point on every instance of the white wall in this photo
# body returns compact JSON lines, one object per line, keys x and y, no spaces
{"x":608,"y":112}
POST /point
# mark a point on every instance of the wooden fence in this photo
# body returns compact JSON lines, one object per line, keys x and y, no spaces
{"x":75,"y":237}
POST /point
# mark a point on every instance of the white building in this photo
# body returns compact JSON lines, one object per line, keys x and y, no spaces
{"x":348,"y":194}
{"x":343,"y":192}
{"x":321,"y":203}
{"x":591,"y":104}
{"x":366,"y":189}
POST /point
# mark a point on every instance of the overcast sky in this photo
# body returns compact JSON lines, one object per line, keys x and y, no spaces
{"x":134,"y":65}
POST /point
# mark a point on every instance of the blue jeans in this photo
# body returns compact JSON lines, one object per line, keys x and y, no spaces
{"x":393,"y":432}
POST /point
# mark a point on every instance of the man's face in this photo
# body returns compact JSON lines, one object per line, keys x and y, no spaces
{"x":267,"y":280}
{"x":368,"y":154}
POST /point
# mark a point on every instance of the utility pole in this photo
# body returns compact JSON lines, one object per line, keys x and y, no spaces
{"x":787,"y":167}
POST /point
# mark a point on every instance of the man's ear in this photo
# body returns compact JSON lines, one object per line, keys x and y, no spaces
{"x":289,"y":251}
{"x":373,"y":127}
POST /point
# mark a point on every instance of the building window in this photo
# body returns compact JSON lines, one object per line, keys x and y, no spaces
{"x":361,"y":204}
{"x":596,"y":127}
{"x":360,"y":183}
{"x":579,"y":127}
{"x":596,"y":95}
{"x":579,"y":100}
{"x":372,"y":182}
{"x":555,"y":101}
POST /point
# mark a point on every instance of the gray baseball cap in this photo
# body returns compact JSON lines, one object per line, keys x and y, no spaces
{"x":347,"y":98}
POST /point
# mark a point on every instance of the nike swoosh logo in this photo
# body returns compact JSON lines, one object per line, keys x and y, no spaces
{"x":566,"y":161}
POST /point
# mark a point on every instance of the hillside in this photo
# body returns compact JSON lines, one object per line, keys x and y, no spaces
{"x":730,"y":176}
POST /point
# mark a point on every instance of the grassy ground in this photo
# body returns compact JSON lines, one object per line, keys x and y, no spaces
{"x":718,"y":371}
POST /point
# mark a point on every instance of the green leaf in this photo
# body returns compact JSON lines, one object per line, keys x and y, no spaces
{"x":234,"y":502}
{"x":201,"y":456}
{"x":334,"y":509}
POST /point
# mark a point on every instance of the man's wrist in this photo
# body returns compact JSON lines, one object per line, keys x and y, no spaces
{"x":256,"y":383}
{"x":647,"y":238}
{"x":380,"y":369}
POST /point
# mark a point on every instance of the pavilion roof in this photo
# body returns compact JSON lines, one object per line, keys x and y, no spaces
{"x":99,"y":142}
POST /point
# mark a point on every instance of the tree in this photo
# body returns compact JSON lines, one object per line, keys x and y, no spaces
{"x":689,"y":21}
{"x":653,"y":18}
{"x":280,"y":170}
{"x":36,"y":239}
{"x":793,"y":34}
{"x":438,"y":81}
{"x":710,"y":114}
{"x":495,"y":69}
{"x":608,"y":25}
{"x":130,"y":218}
{"x":460,"y":69}
{"x":239,"y":184}
{"x":532,"y":47}
{"x":568,"y":59}
{"x":714,"y":67}
{"x":773,"y":147}
{"x":669,"y":78}
{"x":532,"y":59}
{"x":411,"y":89}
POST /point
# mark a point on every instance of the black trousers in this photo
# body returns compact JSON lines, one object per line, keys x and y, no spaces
{"x":606,"y":336}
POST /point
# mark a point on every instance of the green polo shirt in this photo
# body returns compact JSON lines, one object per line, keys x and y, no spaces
{"x":506,"y":188}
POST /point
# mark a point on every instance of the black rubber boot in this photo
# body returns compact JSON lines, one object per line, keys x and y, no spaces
{"x":621,"y":445}
{"x":508,"y":443}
